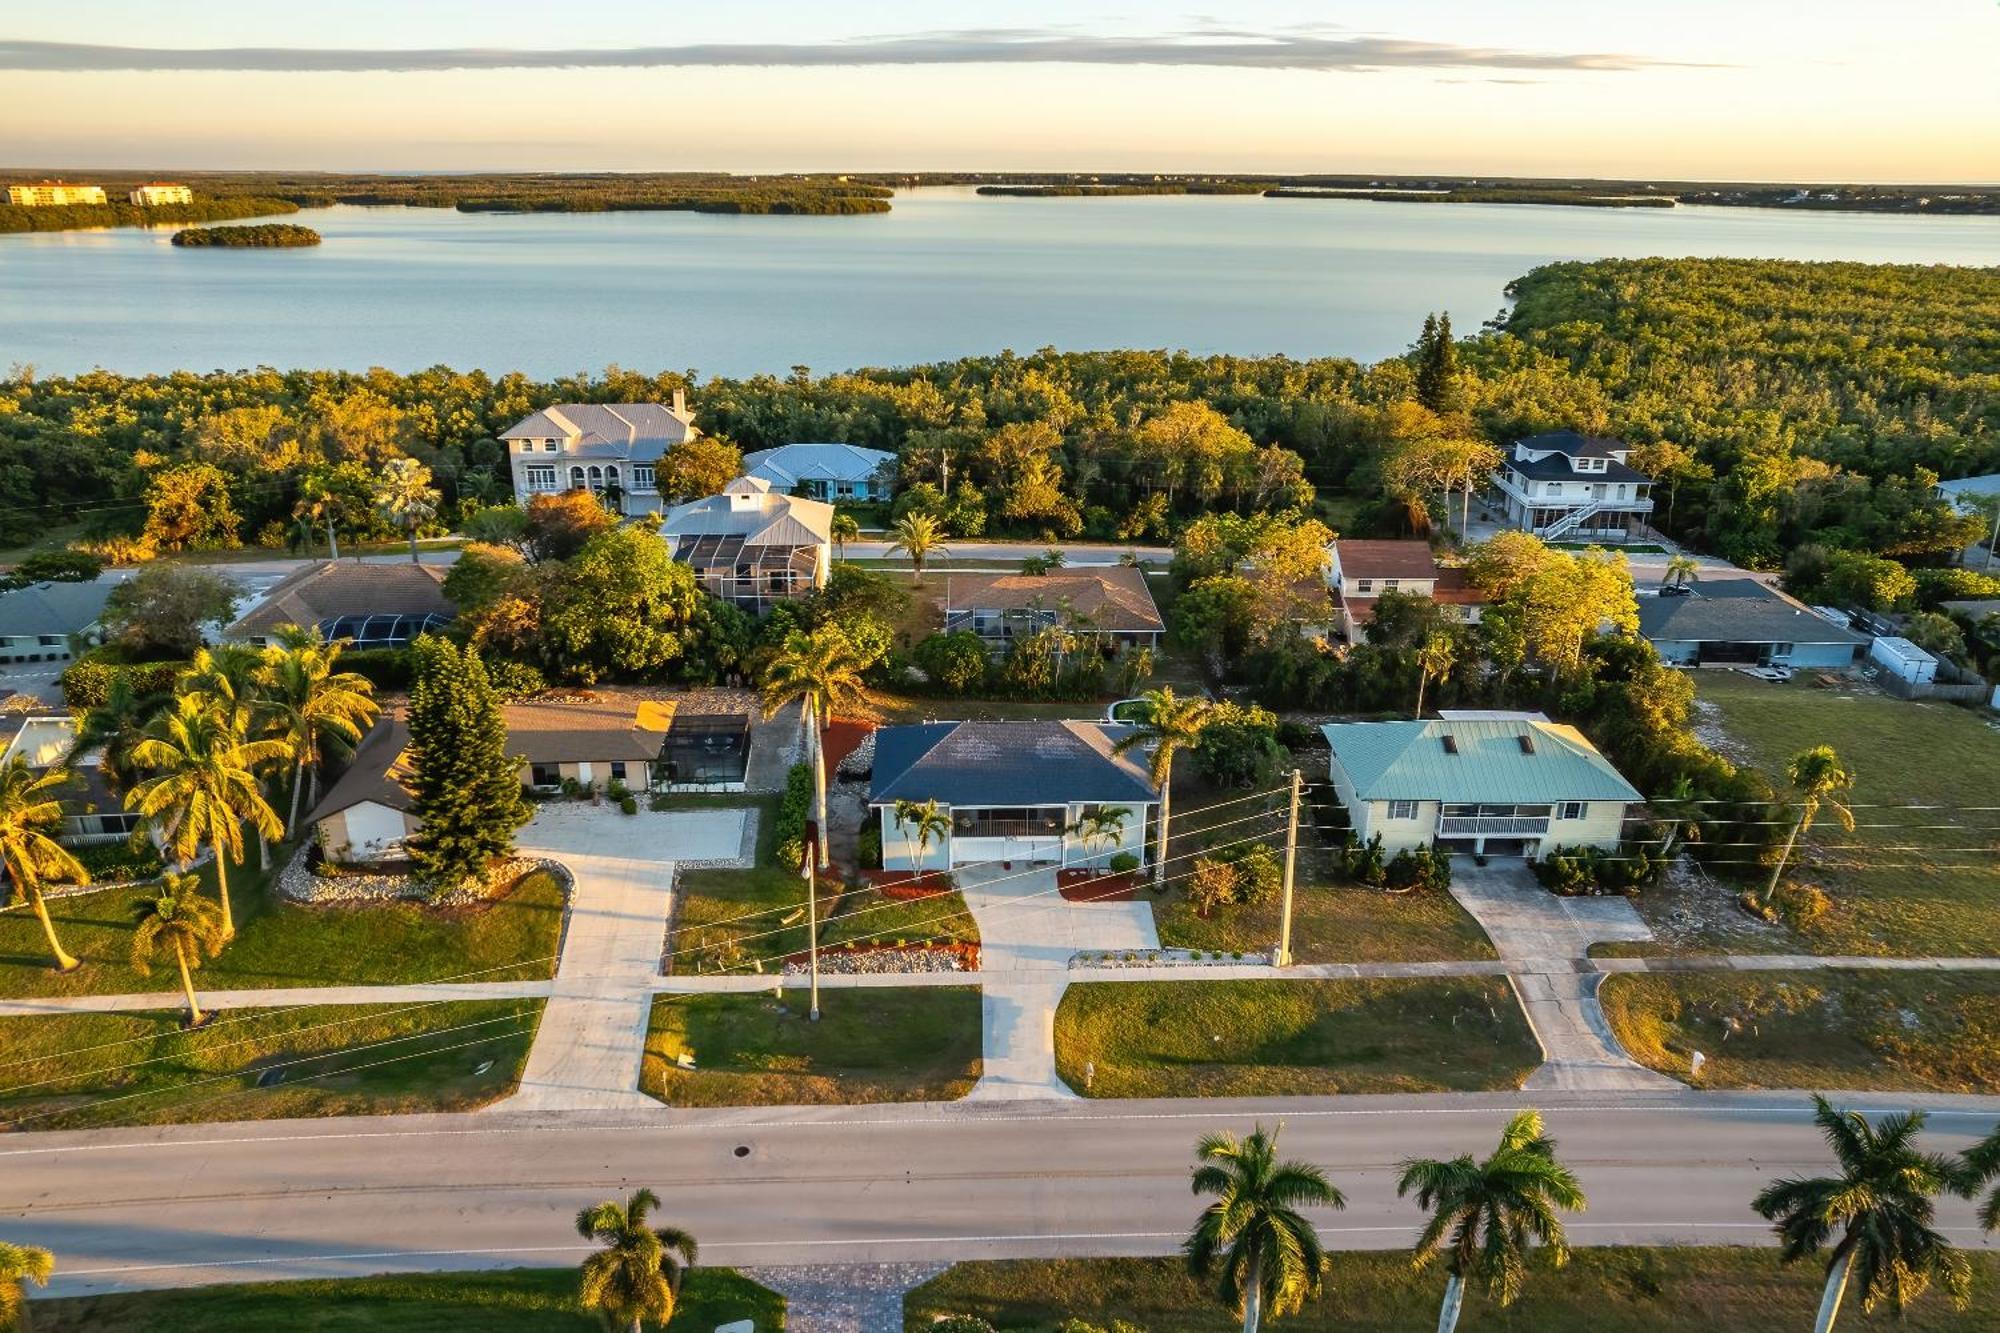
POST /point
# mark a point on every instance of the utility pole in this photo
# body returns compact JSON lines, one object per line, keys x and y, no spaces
{"x":1284,"y":958}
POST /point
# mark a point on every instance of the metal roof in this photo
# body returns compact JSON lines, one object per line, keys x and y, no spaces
{"x":1007,"y":763}
{"x":1485,"y":761}
{"x":789,"y":464}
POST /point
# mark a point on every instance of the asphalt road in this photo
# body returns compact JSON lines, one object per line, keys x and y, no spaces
{"x":209,"y":1203}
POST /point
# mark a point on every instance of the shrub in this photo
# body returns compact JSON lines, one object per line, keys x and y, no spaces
{"x":571,"y":788}
{"x":962,"y":1323}
{"x":86,"y":682}
{"x":385,"y":668}
{"x":628,"y":805}
{"x":794,"y":810}
{"x":1363,"y":862}
{"x":512,"y":680}
{"x":1570,"y":871}
{"x":1299,"y":736}
{"x":954,"y":662}
{"x":120,"y":862}
{"x":616,"y":789}
{"x":1123,"y":863}
{"x":1419,"y":868}
{"x":1213,"y":884}
{"x":868,"y":845}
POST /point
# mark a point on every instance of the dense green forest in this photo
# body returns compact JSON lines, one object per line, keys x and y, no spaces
{"x":265,"y":236}
{"x":1471,"y":195}
{"x":1779,"y":403}
{"x":72,"y":217}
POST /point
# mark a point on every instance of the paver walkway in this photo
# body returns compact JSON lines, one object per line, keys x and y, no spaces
{"x":844,"y":1298}
{"x":1026,"y":936}
{"x":1545,"y":939}
{"x":592,"y":1040}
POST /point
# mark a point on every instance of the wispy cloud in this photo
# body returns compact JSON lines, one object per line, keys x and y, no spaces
{"x":1233,"y":48}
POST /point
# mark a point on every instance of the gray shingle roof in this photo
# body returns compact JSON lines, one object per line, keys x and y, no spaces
{"x":1737,"y":611}
{"x":329,"y":589}
{"x":1114,"y":598}
{"x":1007,"y":763}
{"x":1558,"y":469}
{"x":1575,"y":444}
{"x":637,"y":431}
{"x":53,"y":608}
{"x":1408,"y":761}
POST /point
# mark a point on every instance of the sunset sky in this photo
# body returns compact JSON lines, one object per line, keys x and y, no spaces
{"x":1718,"y":89}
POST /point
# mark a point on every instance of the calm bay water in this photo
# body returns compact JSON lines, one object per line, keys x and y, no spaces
{"x":946,"y":274}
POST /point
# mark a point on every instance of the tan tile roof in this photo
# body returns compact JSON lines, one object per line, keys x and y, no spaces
{"x":1113,"y":598}
{"x":329,"y":588}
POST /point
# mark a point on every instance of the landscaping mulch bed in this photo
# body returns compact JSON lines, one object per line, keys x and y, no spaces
{"x":902,"y":886}
{"x":1091,"y":886}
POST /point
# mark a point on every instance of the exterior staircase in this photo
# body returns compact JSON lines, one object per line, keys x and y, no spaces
{"x":1568,"y":522}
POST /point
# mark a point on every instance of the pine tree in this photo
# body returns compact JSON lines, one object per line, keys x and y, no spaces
{"x":467,"y":789}
{"x":1437,"y":366}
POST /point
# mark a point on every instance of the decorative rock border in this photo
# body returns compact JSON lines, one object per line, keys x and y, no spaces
{"x":888,"y":958}
{"x":1167,"y":958}
{"x":298,"y":883}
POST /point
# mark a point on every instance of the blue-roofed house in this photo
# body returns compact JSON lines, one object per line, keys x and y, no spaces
{"x":825,"y":471}
{"x":1741,"y":622}
{"x":1505,"y":786}
{"x":1014,"y":791}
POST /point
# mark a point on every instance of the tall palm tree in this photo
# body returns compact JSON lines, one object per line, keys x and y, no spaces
{"x":1172,"y":723}
{"x":406,"y":497}
{"x":204,"y":785}
{"x":636,"y":1277}
{"x":1682,"y":570}
{"x":821,"y":670}
{"x":224,"y":675}
{"x":1435,"y":659}
{"x":929,"y":821}
{"x":1485,"y":1214}
{"x":843,"y":530}
{"x":311,"y":706}
{"x":183,"y":921}
{"x":29,"y":857}
{"x":20,"y":1265}
{"x":1264,"y":1248}
{"x":320,"y":504}
{"x":1979,"y":1167}
{"x":919,"y":537}
{"x":1882,"y":1203}
{"x":1818,"y":778}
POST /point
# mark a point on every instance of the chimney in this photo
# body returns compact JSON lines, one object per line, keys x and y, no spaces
{"x":680,"y":402}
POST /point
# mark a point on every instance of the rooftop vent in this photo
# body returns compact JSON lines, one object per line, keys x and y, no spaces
{"x":1450,"y":743}
{"x":1527,"y":743}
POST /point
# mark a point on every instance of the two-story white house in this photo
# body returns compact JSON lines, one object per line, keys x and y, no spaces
{"x":1013,"y":791}
{"x":1566,"y":486}
{"x":1511,"y":785}
{"x":1359,"y":572}
{"x":608,"y":449}
{"x":752,"y":545}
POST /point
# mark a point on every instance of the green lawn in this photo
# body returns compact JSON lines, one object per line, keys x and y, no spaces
{"x":285,"y":944}
{"x":866,"y":916}
{"x":516,"y":1300}
{"x":732,"y":920}
{"x":1892,"y":1031}
{"x":1904,"y":889}
{"x":870,"y":1045}
{"x":1259,"y":1038}
{"x":1611,"y":1290}
{"x":1333,"y":919}
{"x":74,"y":1071}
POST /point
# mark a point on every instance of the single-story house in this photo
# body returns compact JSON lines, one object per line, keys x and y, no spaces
{"x":374,"y":605}
{"x":825,"y":471}
{"x":1741,"y":622}
{"x":1503,"y":786}
{"x":44,"y":621}
{"x":1109,"y":605}
{"x":92,"y":812}
{"x":597,"y":739}
{"x":753,"y":545}
{"x":1359,"y":572}
{"x":1013,"y":791}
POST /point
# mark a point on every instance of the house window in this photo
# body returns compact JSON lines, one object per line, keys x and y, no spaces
{"x":642,"y":477}
{"x":1553,"y":488}
{"x":541,"y":478}
{"x":611,"y":478}
{"x":116,"y":822}
{"x":844,"y":490}
{"x":618,"y":772}
{"x":1364,"y":585}
{"x":1402,"y":809}
{"x":576,"y":478}
{"x":1777,"y":649}
{"x":1570,"y":810}
{"x":1390,"y":585}
{"x":545,"y":775}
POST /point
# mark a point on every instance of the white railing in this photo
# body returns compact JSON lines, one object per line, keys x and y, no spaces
{"x":1505,"y":826}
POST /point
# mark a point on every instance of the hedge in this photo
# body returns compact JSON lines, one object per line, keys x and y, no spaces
{"x":86,"y":682}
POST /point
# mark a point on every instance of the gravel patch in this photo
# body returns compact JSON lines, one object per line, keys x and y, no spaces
{"x":845,"y":1298}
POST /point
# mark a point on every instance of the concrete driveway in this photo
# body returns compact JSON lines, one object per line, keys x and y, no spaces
{"x":1552,"y":937}
{"x":591,"y":1042}
{"x":1027,"y":934}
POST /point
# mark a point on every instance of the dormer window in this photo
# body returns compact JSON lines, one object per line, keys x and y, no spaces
{"x":548,"y":446}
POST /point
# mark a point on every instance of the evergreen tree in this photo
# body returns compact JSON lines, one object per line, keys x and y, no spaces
{"x":1437,"y":366}
{"x":467,"y":789}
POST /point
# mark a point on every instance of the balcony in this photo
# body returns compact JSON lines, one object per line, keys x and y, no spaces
{"x":1492,"y":826}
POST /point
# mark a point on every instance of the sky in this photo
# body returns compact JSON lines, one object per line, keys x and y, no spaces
{"x":1833,"y":90}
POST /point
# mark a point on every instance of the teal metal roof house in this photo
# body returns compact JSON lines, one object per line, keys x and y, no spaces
{"x":1516,"y":786}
